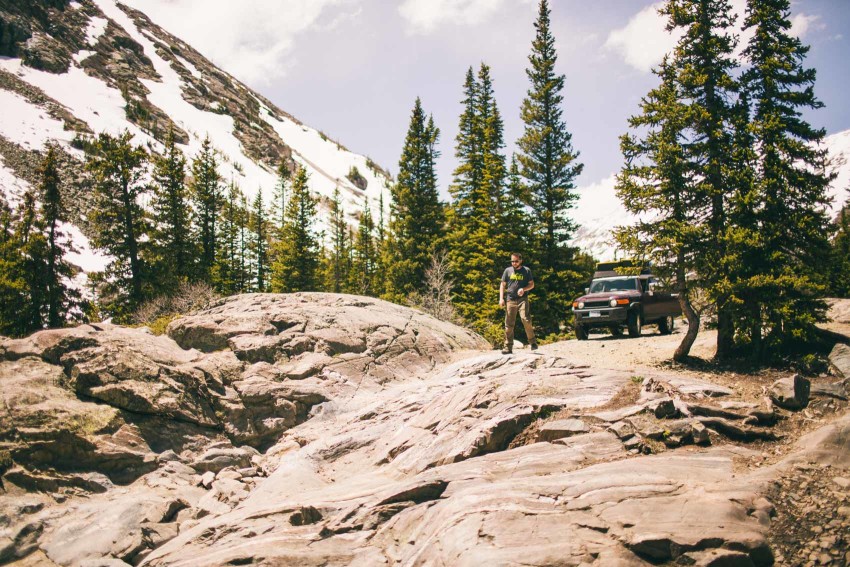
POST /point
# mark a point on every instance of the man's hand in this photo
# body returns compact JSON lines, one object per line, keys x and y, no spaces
{"x":521,"y":292}
{"x":501,"y":302}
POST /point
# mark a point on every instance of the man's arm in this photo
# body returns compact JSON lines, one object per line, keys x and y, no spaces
{"x":502,"y":293}
{"x":523,"y":290}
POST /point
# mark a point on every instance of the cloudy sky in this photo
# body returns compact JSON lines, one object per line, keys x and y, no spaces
{"x":353,"y":68}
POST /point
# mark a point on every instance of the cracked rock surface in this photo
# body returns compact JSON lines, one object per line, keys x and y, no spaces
{"x":322,"y":429}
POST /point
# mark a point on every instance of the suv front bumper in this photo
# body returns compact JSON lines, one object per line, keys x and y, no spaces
{"x":601,"y":316}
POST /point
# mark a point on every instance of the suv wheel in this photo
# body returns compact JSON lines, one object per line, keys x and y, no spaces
{"x":635,"y":323}
{"x":665,"y":326}
{"x":581,"y":332}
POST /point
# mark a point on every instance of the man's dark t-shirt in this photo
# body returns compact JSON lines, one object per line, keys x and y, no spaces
{"x":515,"y":279}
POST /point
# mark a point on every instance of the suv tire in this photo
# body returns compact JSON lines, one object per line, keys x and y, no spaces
{"x":581,"y":332}
{"x":635,"y":323}
{"x":665,"y":326}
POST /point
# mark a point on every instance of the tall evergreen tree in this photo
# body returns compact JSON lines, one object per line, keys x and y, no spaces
{"x":791,"y":179}
{"x":260,"y":243}
{"x":59,"y":298}
{"x":33,"y":246}
{"x":118,"y":169}
{"x":206,"y":192}
{"x":550,"y":167}
{"x":839,"y":273}
{"x":12,"y":283}
{"x":284,"y":176}
{"x":295,"y":256}
{"x":416,"y":227}
{"x":658,"y":184}
{"x":228,"y":261}
{"x":703,"y":61}
{"x":514,"y":220}
{"x":174,"y":251}
{"x":337,"y":269}
{"x":473,"y":218}
{"x":364,"y":269}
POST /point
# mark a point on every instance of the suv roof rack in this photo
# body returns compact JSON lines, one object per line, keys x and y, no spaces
{"x":627,"y":267}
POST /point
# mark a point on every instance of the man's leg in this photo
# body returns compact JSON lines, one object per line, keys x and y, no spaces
{"x":525,"y":317}
{"x":510,"y":320}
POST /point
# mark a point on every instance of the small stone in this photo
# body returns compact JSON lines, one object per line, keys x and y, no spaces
{"x":844,"y":511}
{"x":842,"y":482}
{"x":207,"y":479}
{"x":824,"y":559}
{"x":817,"y":529}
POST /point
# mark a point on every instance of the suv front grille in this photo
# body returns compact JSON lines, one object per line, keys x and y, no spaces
{"x":596,"y":304}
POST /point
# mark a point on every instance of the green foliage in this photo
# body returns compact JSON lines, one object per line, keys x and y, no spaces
{"x":173,"y":250}
{"x":778,"y":300}
{"x":295,"y":256}
{"x":206,"y":195}
{"x":337,"y":262}
{"x":416,"y":226}
{"x":839,"y":277}
{"x":59,"y":297}
{"x":364,"y":269}
{"x":117,"y":171}
{"x":259,"y":229}
{"x":473,"y":215}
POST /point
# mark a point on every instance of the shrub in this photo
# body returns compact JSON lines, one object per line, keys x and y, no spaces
{"x":157,"y":313}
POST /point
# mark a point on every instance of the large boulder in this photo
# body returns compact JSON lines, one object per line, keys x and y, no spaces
{"x":791,"y":393}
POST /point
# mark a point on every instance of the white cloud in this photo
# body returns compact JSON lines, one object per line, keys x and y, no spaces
{"x":801,"y":24}
{"x":424,"y":16}
{"x":644,"y":41}
{"x":252,"y":39}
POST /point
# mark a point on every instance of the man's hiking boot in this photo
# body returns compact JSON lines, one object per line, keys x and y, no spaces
{"x":507,"y":350}
{"x":533,"y":346}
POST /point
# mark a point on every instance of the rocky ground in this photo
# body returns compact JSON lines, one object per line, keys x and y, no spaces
{"x":317,"y":429}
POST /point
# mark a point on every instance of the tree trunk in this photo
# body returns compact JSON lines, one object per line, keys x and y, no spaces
{"x":725,"y":333}
{"x":692,"y":316}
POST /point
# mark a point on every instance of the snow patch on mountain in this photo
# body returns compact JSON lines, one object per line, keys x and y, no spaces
{"x":28,"y":125}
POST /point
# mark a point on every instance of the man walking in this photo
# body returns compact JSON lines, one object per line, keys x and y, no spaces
{"x":517,"y":281}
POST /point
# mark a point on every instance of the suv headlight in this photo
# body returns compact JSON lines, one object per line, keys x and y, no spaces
{"x":613,"y":303}
{"x":581,"y":304}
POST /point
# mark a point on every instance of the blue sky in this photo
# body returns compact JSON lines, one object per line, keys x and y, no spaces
{"x":353,"y":68}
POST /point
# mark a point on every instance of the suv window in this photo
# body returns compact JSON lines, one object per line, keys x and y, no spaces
{"x":613,"y":284}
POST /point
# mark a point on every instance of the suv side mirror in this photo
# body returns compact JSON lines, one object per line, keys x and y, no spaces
{"x":586,"y":290}
{"x":652,"y":286}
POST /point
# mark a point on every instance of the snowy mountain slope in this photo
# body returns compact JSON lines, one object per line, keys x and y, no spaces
{"x":599,"y":211}
{"x":97,"y":66}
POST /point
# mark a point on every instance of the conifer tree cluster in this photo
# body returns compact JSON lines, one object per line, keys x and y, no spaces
{"x":34,"y":274}
{"x":733,"y":178}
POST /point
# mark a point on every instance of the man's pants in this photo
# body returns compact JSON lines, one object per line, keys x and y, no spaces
{"x":512,"y":308}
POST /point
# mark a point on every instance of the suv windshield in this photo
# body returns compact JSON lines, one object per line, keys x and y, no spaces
{"x":613,"y":284}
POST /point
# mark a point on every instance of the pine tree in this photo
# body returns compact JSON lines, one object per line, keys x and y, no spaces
{"x":33,"y":246}
{"x":118,"y":220}
{"x":792,"y":178}
{"x":365,"y":255}
{"x":296,"y":255}
{"x":658,"y":184}
{"x":206,"y":192}
{"x":260,"y":243}
{"x":337,"y":267}
{"x":245,"y":260}
{"x":473,"y":214}
{"x":227,"y":267}
{"x":60,"y":299}
{"x":284,"y":177}
{"x":174,"y":250}
{"x":703,"y":61}
{"x":416,"y":227}
{"x":839,"y":278}
{"x":550,"y":167}
{"x":12,"y":283}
